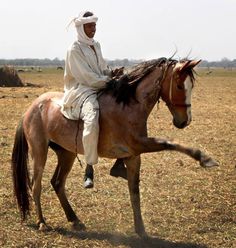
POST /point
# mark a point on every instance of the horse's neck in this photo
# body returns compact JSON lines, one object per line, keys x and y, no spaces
{"x":148,"y":91}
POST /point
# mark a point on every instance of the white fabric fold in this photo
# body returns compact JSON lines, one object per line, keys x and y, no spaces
{"x":85,"y":74}
{"x":79,"y":25}
{"x":81,"y":20}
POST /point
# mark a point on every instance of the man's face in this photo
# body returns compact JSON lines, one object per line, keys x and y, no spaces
{"x":90,"y":29}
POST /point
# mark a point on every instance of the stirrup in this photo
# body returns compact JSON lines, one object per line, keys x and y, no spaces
{"x":88,"y":183}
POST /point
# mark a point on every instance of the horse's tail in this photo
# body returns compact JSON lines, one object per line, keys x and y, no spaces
{"x":20,"y":172}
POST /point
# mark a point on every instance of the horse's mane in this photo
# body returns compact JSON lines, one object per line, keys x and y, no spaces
{"x":141,"y":70}
{"x":125,"y":86}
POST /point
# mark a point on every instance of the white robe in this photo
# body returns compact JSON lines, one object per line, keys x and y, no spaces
{"x":85,"y":74}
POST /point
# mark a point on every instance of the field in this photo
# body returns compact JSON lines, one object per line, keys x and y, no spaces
{"x":183,"y":205}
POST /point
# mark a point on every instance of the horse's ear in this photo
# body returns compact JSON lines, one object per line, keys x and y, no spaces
{"x":189,"y":64}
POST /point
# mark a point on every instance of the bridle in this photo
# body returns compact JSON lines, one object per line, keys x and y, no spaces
{"x":170,"y":101}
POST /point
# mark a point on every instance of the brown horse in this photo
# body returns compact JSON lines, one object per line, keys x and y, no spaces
{"x":124,"y":111}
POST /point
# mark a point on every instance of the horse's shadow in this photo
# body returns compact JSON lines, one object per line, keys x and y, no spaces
{"x":117,"y":239}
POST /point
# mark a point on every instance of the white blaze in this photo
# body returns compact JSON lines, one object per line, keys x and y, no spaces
{"x":188,"y":85}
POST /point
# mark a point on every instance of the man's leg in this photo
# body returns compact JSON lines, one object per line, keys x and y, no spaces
{"x":90,"y":115}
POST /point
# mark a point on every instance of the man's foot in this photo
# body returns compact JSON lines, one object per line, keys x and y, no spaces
{"x":88,"y":177}
{"x":88,"y":183}
{"x":119,"y":169}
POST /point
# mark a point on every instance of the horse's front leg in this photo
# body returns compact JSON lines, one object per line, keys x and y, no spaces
{"x":155,"y":144}
{"x":133,"y":170}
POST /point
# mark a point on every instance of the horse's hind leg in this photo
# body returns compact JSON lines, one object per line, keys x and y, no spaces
{"x":39,"y":156}
{"x":65,"y":162}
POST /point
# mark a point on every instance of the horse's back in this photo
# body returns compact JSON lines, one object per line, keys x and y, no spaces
{"x":115,"y":121}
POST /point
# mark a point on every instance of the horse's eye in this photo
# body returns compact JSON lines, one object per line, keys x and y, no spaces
{"x":180,"y":87}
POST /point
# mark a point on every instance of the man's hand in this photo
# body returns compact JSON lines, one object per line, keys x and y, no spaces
{"x":118,"y":72}
{"x":116,"y":84}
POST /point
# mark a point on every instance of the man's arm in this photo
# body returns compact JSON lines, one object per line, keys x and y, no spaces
{"x":83,"y":73}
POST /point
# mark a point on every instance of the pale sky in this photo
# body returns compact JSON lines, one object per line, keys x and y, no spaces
{"x":133,"y":29}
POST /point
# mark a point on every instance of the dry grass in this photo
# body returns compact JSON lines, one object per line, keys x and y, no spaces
{"x":183,"y":204}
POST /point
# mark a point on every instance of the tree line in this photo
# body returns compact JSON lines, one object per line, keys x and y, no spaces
{"x":60,"y":63}
{"x":224,"y":62}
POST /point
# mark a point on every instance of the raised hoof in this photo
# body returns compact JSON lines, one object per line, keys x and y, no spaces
{"x":43,"y":227}
{"x":88,"y":183}
{"x":208,"y":162}
{"x":78,"y":226}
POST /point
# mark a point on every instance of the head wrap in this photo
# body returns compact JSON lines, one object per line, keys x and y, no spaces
{"x":79,"y":25}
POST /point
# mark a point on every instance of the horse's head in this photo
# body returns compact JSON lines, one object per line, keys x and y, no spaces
{"x":176,"y":90}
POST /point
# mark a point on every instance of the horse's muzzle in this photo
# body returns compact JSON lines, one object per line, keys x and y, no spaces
{"x":179,"y":124}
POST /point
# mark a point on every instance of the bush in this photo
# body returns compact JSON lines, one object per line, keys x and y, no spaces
{"x":9,"y":77}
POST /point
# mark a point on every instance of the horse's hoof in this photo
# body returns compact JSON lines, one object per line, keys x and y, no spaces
{"x":143,"y":235}
{"x":145,"y":238}
{"x":78,"y":226}
{"x":208,"y":162}
{"x":43,"y":227}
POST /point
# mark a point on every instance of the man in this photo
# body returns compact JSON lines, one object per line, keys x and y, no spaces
{"x":86,"y":72}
